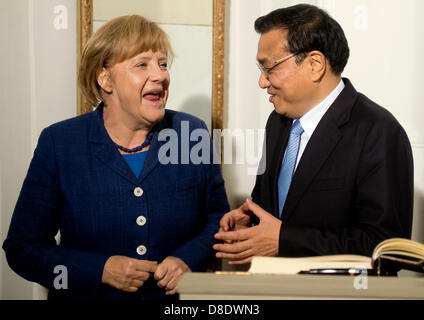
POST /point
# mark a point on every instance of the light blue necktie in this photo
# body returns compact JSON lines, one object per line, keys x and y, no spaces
{"x":289,"y":163}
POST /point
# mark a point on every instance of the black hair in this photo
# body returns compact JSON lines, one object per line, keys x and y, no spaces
{"x":309,"y":28}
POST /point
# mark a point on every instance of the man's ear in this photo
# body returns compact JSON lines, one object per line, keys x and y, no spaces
{"x":104,"y":81}
{"x":318,"y":65}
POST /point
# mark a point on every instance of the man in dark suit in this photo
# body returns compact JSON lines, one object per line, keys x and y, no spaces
{"x":339,"y":169}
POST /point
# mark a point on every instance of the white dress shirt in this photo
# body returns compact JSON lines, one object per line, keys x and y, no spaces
{"x":310,"y":120}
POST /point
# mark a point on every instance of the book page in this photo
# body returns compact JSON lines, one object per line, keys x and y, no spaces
{"x":399,"y":246}
{"x":277,"y":265}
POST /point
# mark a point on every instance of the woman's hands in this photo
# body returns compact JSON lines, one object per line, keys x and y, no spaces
{"x":169,"y":272}
{"x":129,"y":274}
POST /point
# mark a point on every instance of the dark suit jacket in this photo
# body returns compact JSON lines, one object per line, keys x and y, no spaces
{"x":78,"y":183}
{"x":353,"y":186}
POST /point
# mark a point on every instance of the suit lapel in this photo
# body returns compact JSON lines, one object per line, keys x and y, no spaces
{"x":279,"y":133}
{"x":104,"y":149}
{"x":320,"y":146}
{"x":152,"y":159}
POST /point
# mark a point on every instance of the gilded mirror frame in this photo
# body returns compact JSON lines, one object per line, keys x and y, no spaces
{"x":85,"y":29}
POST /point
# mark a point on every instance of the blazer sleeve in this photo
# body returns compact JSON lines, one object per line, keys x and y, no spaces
{"x":31,"y":248}
{"x":383,"y":200}
{"x":197,"y":252}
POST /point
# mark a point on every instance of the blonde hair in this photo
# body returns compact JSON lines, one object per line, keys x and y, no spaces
{"x":117,"y":40}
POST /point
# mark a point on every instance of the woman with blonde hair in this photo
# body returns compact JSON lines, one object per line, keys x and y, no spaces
{"x":130,"y":224}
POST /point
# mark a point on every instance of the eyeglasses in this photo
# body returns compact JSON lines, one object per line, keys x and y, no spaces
{"x":266,"y":71}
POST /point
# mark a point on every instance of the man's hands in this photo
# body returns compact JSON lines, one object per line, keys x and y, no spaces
{"x":236,"y":219}
{"x":129,"y":274}
{"x":243,"y":242}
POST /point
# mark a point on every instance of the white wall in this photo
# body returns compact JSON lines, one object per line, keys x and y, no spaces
{"x":386,"y":41}
{"x":193,"y":12}
{"x":38,"y":87}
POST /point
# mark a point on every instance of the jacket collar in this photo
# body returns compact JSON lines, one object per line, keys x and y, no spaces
{"x":104,"y":149}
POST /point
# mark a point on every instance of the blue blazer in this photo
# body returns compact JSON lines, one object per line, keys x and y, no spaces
{"x":79,"y":184}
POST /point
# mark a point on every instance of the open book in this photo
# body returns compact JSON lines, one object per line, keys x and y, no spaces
{"x":388,"y":258}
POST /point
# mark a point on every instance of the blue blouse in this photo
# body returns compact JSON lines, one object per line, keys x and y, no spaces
{"x":135,"y":161}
